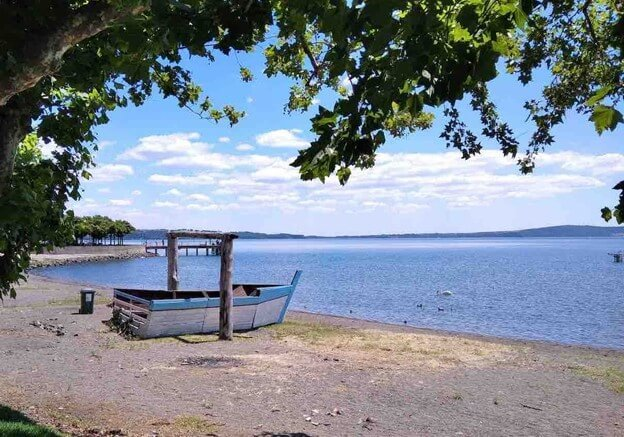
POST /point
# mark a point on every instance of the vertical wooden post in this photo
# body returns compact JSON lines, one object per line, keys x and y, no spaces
{"x":172,"y":265}
{"x":226,"y":323}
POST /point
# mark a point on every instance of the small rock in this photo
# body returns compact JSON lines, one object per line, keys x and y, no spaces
{"x":335,"y":412}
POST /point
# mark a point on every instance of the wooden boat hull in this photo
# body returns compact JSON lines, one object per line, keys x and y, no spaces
{"x":150,"y":313}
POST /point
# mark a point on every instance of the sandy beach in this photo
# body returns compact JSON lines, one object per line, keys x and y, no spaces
{"x":313,"y":375}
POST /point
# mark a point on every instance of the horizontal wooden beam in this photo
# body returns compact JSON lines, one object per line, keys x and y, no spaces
{"x":201,"y":234}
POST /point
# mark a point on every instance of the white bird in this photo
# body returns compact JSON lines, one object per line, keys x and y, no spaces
{"x":445,"y":293}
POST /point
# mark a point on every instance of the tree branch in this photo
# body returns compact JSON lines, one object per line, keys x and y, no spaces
{"x":310,"y":55}
{"x":588,"y":22}
{"x":42,"y":54}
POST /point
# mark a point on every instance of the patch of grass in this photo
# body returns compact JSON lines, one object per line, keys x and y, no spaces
{"x":15,"y":424}
{"x":75,"y":301}
{"x":394,"y":347}
{"x":193,"y":425}
{"x":611,"y":377}
{"x":309,"y":332}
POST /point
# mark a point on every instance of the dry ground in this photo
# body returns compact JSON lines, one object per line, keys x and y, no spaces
{"x":313,"y":375}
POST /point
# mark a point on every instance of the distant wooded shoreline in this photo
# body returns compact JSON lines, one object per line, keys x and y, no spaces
{"x":565,"y":231}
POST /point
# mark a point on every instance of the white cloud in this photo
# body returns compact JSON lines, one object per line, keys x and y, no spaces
{"x":136,"y":193}
{"x":178,"y":179}
{"x":110,"y":172}
{"x":198,"y":197}
{"x":198,"y":207}
{"x":104,"y":190}
{"x":250,"y":99}
{"x":174,"y":192}
{"x":120,"y":202}
{"x":608,"y":163}
{"x":218,"y":161}
{"x":244,"y":147}
{"x":282,"y":138}
{"x":160,"y":204}
{"x":401,"y":183}
{"x":153,"y":146}
{"x":224,"y":139}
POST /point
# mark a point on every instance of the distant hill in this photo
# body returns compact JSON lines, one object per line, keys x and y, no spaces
{"x":566,"y":231}
{"x":159,"y":234}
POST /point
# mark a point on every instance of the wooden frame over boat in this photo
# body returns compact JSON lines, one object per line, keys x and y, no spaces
{"x":157,"y":313}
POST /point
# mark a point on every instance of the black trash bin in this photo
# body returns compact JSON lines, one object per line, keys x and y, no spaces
{"x":87,"y":298}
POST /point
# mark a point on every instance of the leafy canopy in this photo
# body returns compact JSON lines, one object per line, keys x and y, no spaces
{"x":65,"y":64}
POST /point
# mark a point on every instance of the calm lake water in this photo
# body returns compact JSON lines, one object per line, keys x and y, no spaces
{"x":564,"y":290}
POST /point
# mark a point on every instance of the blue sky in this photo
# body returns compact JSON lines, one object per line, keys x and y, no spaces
{"x":160,"y":166}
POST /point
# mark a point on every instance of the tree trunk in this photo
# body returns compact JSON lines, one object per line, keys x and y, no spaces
{"x":14,"y":125}
{"x":42,"y":55}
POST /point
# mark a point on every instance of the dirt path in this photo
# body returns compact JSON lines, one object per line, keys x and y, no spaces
{"x":314,"y":375}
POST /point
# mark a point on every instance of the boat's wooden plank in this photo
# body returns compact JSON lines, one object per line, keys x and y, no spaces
{"x":242,"y":318}
{"x":128,"y":315}
{"x":178,"y":316}
{"x":269,"y":312}
{"x":118,"y":293}
{"x":129,"y":306}
{"x":211,"y":320}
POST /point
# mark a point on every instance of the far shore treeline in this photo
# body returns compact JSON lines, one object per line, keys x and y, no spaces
{"x":101,"y":230}
{"x":564,"y":231}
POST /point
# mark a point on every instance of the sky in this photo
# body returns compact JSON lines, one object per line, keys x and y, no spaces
{"x":160,"y":166}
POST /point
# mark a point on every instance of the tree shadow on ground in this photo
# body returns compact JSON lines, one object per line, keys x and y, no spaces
{"x":15,"y":424}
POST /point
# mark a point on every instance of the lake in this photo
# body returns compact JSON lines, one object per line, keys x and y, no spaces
{"x":563,"y":290}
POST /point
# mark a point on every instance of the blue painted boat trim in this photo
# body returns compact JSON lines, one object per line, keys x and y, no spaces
{"x":293,"y":286}
{"x":266,"y":294}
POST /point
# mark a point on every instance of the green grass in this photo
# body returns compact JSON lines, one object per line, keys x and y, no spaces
{"x":314,"y":333}
{"x":611,"y":377}
{"x":75,"y":301}
{"x":15,"y":424}
{"x":194,"y":425}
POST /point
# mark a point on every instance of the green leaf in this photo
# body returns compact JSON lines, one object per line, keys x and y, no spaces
{"x":520,"y":17}
{"x":606,"y":214}
{"x":605,"y":117}
{"x":599,"y":95}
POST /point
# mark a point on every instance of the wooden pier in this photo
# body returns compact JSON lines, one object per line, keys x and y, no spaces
{"x":209,"y":248}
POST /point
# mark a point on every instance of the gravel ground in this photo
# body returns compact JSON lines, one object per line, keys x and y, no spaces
{"x":313,"y":375}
